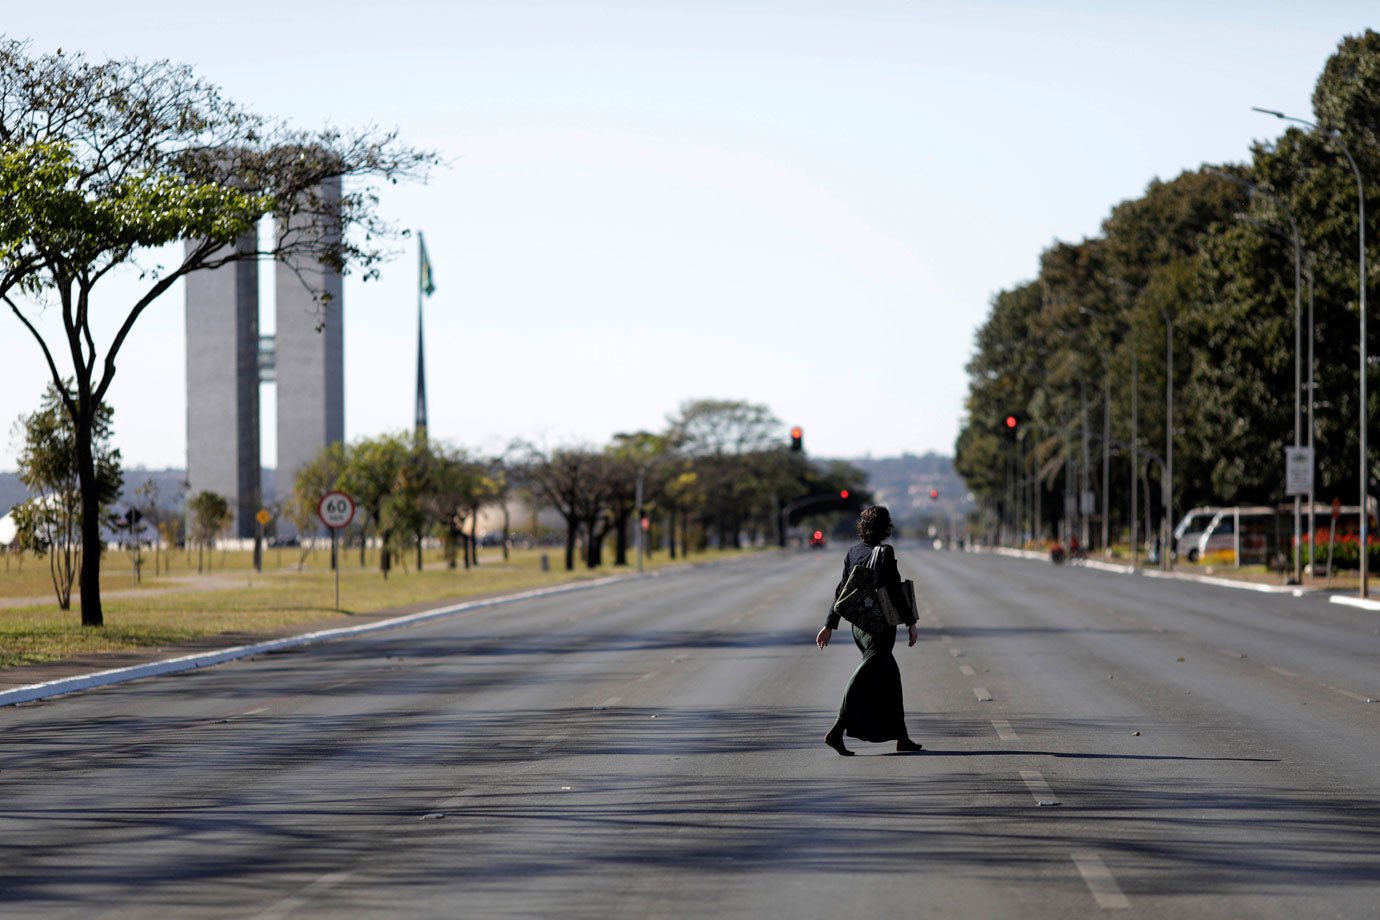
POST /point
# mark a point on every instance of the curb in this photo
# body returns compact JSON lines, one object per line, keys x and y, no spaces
{"x":1349,"y":601}
{"x":83,"y":682}
{"x":1121,"y":569}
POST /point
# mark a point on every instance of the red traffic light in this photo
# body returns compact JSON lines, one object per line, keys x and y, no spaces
{"x":797,"y":438}
{"x":843,"y":493}
{"x":819,"y":535}
{"x":796,"y":432}
{"x":934,"y":493}
{"x":1012,"y":421}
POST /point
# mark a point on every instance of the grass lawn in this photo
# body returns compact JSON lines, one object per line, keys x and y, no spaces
{"x":232,"y":600}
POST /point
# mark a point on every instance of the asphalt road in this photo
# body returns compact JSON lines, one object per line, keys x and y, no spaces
{"x":652,"y":748}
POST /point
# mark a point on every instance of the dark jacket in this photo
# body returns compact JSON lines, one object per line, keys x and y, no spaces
{"x":858,"y":554}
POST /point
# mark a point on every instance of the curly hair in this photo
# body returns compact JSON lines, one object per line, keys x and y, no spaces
{"x":874,"y":524}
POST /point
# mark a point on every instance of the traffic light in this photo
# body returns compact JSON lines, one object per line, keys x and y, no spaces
{"x":797,"y":436}
{"x":1012,"y":423}
{"x":934,"y":494}
{"x":843,"y":494}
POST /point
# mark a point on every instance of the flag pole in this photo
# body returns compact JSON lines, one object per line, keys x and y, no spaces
{"x":421,"y":360}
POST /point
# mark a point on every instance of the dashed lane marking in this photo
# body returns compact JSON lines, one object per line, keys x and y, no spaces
{"x":982,"y":694}
{"x":1035,"y":782}
{"x":303,"y":897}
{"x":1350,"y":695}
{"x":648,"y":676}
{"x":1231,"y":653}
{"x":1004,"y":730}
{"x":554,"y":740}
{"x":967,"y":670}
{"x":1100,"y":881}
{"x":1284,"y":671}
{"x":611,"y":701}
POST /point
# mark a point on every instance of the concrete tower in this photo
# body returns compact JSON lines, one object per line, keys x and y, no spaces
{"x":223,"y":386}
{"x":227,"y":360}
{"x":310,"y":349}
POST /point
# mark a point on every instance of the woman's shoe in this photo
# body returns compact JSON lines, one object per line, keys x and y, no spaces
{"x":905,"y":745}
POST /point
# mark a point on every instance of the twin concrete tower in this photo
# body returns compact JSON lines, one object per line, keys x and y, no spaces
{"x":227,"y":360}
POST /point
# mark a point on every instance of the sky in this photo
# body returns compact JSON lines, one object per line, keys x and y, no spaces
{"x":803,"y":204}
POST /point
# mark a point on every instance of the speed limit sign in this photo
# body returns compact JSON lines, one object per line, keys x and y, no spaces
{"x":336,"y":510}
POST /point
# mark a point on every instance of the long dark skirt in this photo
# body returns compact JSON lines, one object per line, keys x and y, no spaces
{"x":872,"y":707}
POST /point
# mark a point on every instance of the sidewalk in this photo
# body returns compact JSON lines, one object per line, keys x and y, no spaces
{"x":1337,"y":592}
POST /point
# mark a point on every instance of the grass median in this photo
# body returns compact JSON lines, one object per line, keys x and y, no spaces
{"x":231,"y":600}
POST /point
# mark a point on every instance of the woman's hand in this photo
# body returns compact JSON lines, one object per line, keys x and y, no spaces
{"x":823,"y":638}
{"x":914,"y":634}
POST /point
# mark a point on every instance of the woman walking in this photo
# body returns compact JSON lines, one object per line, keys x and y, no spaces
{"x":872,"y":707}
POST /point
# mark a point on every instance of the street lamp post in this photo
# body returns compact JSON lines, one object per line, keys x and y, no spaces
{"x":1106,"y":441}
{"x":1166,"y":551}
{"x":1312,"y":448}
{"x":1298,"y":349}
{"x":1336,"y":136}
{"x":1135,"y":462}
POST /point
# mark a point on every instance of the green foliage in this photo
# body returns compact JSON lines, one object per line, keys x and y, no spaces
{"x":50,"y":523}
{"x":100,"y":162}
{"x":1179,"y":255}
{"x":209,"y":514}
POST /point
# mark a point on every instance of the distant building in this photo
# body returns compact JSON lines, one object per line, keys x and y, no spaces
{"x":227,"y":360}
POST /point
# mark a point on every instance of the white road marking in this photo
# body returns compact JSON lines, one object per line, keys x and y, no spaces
{"x":1100,"y":881}
{"x":455,"y":799}
{"x":1347,"y":693}
{"x":304,"y":896}
{"x":611,"y":701}
{"x":967,"y":670}
{"x":1039,"y":788}
{"x":554,"y":740}
{"x":1231,"y":653}
{"x":1284,"y":671}
{"x":982,"y":694}
{"x":254,"y":712}
{"x":957,"y":653}
{"x":1004,"y":730}
{"x":648,"y":676}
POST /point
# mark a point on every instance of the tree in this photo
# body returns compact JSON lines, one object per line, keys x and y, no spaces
{"x":371,"y":474}
{"x":100,"y":162}
{"x":566,"y":479}
{"x":150,"y":504}
{"x":209,"y":515}
{"x":52,"y":522}
{"x":313,"y":481}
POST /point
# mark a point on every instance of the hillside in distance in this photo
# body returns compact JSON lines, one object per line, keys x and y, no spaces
{"x":904,"y":483}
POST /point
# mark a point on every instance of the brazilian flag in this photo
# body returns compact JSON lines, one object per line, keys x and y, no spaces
{"x":424,"y":278}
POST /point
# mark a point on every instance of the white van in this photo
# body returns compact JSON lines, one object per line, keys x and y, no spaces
{"x":1189,"y":529}
{"x":1250,"y":534}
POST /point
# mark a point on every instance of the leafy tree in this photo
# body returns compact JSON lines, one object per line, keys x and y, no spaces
{"x":52,"y":522}
{"x":100,"y":162}
{"x":567,"y":479}
{"x":313,"y":481}
{"x":372,"y":473}
{"x":209,"y":514}
{"x":149,"y":503}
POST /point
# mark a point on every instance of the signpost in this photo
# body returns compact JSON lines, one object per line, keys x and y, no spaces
{"x":262,"y":518}
{"x":336,"y":510}
{"x":1298,"y":470}
{"x":1332,"y":536}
